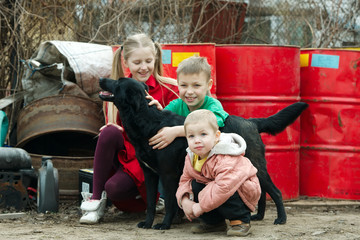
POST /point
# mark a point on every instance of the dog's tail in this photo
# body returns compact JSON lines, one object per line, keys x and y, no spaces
{"x":279,"y":121}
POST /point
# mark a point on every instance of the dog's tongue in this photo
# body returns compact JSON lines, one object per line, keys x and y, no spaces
{"x":106,"y":94}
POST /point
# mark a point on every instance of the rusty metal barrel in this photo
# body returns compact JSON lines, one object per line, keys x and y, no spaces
{"x":330,"y":139}
{"x":257,"y":81}
{"x":64,"y":127}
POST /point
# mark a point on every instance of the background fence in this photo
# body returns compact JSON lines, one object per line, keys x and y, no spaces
{"x":306,"y":23}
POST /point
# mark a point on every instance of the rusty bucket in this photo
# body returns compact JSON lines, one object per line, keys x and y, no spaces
{"x":64,"y":127}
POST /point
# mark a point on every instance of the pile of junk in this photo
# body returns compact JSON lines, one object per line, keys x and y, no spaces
{"x":54,"y":133}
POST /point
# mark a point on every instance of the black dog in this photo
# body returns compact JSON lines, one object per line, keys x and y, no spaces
{"x":141,"y":122}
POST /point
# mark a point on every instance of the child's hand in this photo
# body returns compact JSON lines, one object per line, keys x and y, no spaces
{"x":153,"y":101}
{"x":163,"y":138}
{"x":187,"y":206}
{"x":197,"y":210}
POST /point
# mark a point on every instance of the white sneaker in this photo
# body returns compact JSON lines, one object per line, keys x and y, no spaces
{"x":93,"y":209}
{"x":89,"y":204}
{"x":160,"y":206}
{"x":90,"y":217}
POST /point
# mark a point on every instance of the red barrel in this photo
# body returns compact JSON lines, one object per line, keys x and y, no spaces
{"x":258,"y":81}
{"x":330,"y":127}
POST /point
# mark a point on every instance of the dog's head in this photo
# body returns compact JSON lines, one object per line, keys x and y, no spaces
{"x":125,"y":92}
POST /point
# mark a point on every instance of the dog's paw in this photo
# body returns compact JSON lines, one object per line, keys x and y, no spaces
{"x":161,"y":226}
{"x":257,"y":217}
{"x":280,"y":220}
{"x":143,"y":225}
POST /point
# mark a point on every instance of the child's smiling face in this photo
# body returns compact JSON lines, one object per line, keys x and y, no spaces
{"x":193,"y":89}
{"x":141,"y":63}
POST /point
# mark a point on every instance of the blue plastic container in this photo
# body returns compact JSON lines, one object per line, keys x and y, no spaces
{"x":4,"y":125}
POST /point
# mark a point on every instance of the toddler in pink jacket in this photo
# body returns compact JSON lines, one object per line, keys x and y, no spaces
{"x":218,"y":182}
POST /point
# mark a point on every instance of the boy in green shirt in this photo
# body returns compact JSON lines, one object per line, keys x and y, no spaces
{"x":194,"y":84}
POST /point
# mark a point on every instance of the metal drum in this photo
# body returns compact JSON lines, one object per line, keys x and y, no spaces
{"x":258,"y":81}
{"x":56,"y":114}
{"x":330,"y":140}
{"x":63,"y":127}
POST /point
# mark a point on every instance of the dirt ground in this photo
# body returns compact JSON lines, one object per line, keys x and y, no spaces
{"x":307,"y":219}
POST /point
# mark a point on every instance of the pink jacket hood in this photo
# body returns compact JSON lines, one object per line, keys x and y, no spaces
{"x":229,"y":144}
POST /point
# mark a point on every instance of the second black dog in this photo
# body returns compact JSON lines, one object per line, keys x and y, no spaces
{"x":141,"y":122}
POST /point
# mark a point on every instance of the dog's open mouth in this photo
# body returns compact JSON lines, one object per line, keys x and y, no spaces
{"x":106,"y":96}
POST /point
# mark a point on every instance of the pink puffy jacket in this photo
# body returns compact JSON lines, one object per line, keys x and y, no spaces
{"x":225,"y":171}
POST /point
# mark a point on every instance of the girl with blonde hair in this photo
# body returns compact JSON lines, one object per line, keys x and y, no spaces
{"x":117,"y":174}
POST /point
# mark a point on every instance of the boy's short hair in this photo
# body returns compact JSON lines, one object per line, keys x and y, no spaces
{"x":194,"y":65}
{"x":204,"y":116}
